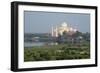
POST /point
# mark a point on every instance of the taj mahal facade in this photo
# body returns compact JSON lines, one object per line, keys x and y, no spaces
{"x":59,"y":30}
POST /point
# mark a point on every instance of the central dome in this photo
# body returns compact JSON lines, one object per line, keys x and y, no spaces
{"x":64,"y":24}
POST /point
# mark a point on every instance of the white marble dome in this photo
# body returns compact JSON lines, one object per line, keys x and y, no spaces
{"x":64,"y":24}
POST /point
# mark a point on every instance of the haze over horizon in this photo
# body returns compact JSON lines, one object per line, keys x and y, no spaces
{"x":41,"y":22}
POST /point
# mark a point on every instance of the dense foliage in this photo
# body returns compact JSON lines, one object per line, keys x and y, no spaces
{"x":57,"y":52}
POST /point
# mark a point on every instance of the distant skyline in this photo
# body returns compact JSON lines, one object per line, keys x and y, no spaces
{"x":41,"y":22}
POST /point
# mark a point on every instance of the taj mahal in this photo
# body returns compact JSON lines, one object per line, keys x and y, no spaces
{"x":59,"y":30}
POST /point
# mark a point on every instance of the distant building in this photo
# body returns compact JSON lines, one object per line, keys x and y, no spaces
{"x":61,"y":29}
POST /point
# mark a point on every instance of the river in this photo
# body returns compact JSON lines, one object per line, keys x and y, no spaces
{"x":31,"y":44}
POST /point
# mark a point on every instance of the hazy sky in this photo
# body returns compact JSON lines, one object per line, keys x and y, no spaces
{"x":41,"y":22}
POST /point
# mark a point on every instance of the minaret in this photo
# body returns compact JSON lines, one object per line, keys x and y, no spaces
{"x":56,"y":34}
{"x":52,"y":32}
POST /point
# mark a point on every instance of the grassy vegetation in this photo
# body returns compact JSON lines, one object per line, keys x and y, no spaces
{"x":57,"y":52}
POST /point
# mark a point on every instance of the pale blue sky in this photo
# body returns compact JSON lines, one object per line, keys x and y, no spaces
{"x":41,"y":22}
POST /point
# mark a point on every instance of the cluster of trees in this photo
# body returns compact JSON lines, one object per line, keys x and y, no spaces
{"x":56,"y":54}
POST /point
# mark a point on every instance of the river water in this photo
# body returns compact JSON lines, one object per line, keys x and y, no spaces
{"x":31,"y":44}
